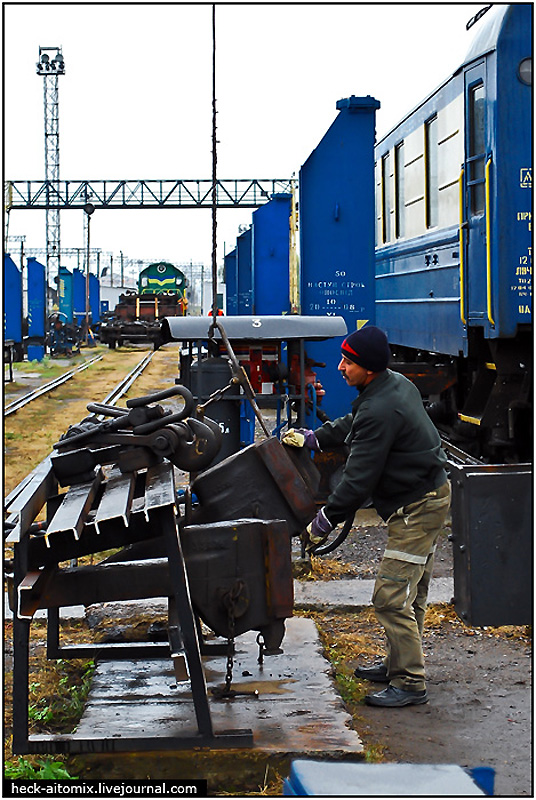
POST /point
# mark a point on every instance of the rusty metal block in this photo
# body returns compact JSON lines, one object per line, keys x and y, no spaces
{"x":260,"y":482}
{"x":240,"y":571}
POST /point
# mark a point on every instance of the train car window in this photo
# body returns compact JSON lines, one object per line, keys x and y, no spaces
{"x":399,"y":191}
{"x":477,"y":148}
{"x":386,"y":198}
{"x":431,"y":172}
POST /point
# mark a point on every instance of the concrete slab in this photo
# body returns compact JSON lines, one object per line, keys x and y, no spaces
{"x":297,"y":710}
{"x":353,"y":593}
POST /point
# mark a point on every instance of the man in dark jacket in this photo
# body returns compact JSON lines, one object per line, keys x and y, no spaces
{"x":396,"y":459}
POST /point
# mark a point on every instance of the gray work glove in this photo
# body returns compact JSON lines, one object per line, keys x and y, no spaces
{"x":301,"y":437}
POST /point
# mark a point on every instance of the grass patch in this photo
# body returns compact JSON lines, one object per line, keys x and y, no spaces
{"x":57,"y":693}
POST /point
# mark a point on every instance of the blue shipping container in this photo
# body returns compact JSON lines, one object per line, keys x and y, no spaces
{"x":79,"y":297}
{"x":271,"y":256}
{"x":244,"y":272}
{"x":231,"y":283}
{"x":336,"y":211}
{"x":37,"y":301}
{"x":94,"y":298}
{"x":12,"y":301}
{"x":65,"y":294}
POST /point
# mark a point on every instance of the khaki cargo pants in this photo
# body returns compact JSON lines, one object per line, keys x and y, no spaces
{"x":401,"y":587}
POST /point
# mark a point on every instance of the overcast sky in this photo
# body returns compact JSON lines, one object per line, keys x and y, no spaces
{"x":136,"y":98}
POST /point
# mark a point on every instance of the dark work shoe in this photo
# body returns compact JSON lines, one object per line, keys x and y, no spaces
{"x":376,"y":673}
{"x":394,"y":698}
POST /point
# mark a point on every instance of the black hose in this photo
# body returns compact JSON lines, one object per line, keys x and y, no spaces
{"x":332,"y":544}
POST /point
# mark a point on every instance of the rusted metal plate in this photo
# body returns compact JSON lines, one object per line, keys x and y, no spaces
{"x":287,"y":477}
{"x":259,"y":482}
{"x":278,"y":574}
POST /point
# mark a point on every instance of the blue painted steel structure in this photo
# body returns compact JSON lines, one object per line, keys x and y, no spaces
{"x":244,"y":272}
{"x":271,"y":256}
{"x":231,"y":283}
{"x":12,"y":302}
{"x":336,"y":209}
{"x":36,"y":310}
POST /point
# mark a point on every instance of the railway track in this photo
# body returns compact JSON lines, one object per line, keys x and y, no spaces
{"x":16,"y":405}
{"x":112,"y":398}
{"x":121,"y":389}
{"x":124,"y":385}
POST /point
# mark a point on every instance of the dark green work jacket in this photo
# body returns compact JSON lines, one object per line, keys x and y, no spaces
{"x":395,"y":451}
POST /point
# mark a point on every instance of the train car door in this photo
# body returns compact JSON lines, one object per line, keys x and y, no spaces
{"x":475,"y":289}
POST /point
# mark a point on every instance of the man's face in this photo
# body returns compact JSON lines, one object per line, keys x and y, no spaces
{"x":353,"y":374}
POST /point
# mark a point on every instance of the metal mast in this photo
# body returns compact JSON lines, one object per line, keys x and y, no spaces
{"x":51,"y":69}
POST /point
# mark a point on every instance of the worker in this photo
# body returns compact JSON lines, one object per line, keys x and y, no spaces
{"x":395,"y":459}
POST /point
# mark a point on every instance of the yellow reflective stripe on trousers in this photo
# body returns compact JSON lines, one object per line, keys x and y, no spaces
{"x":399,"y":555}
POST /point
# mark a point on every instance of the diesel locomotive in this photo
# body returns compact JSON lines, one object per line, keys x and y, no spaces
{"x":161,"y":292}
{"x":454,"y":243}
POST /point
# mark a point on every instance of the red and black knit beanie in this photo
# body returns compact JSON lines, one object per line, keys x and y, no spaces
{"x":367,"y":347}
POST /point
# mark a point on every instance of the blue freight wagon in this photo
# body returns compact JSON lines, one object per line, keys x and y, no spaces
{"x":271,"y":251}
{"x":13,"y":307}
{"x":37,"y":305}
{"x":336,"y":213}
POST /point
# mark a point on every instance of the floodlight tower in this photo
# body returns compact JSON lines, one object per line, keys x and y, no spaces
{"x":51,"y":69}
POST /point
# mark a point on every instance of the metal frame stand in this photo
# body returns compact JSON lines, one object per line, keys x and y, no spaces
{"x":184,"y":646}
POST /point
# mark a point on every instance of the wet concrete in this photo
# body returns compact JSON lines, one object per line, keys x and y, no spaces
{"x":296,"y":710}
{"x":297,"y":713}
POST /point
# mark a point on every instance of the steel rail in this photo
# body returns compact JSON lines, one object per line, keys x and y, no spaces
{"x":16,"y":405}
{"x":124,"y":385}
{"x":116,"y":393}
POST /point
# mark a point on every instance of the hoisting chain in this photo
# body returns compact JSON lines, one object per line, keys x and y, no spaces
{"x":230,"y":646}
{"x":230,"y":600}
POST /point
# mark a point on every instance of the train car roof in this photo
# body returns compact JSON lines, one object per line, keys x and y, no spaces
{"x":484,"y":42}
{"x":284,"y":327}
{"x":488,"y":33}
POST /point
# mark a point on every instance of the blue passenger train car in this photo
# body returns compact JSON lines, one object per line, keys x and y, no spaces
{"x":453,"y":242}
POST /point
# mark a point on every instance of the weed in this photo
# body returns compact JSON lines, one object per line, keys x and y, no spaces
{"x":44,"y":770}
{"x":9,"y":436}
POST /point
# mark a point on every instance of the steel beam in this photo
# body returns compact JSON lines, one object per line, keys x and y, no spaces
{"x":233,"y":193}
